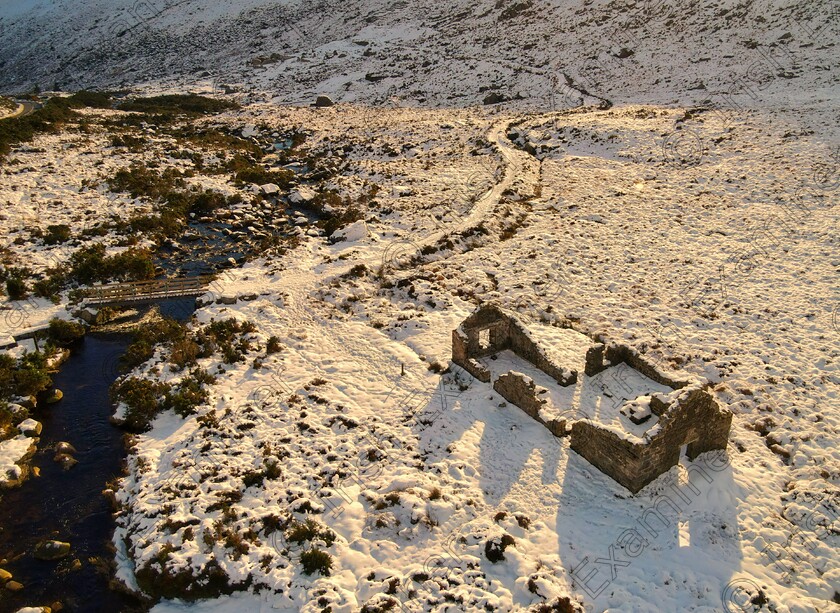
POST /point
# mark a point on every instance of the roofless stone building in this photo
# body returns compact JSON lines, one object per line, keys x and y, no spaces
{"x":642,"y":419}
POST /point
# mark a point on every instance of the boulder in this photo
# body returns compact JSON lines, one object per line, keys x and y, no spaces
{"x":52,"y":550}
{"x":14,"y":586}
{"x":87,"y":315}
{"x":63,"y":447}
{"x":270,"y":189}
{"x":28,"y":402}
{"x":5,"y":575}
{"x":30,"y":427}
{"x":55,"y":396}
{"x":494,"y":98}
{"x":354,"y":232}
{"x":16,"y":409}
{"x":301,"y":194}
{"x":67,"y":461}
{"x":323,"y":101}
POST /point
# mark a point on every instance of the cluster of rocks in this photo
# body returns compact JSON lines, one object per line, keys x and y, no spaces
{"x":8,"y":582}
{"x":254,"y":222}
{"x":47,"y":550}
{"x":64,"y":455}
{"x":241,"y":228}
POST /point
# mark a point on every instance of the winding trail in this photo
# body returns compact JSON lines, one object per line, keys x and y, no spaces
{"x":355,"y":341}
{"x":25,"y":107}
{"x":517,"y":163}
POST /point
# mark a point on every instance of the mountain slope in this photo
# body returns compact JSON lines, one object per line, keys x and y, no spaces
{"x":455,"y":53}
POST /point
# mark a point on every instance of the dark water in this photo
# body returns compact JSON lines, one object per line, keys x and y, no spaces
{"x":69,"y":505}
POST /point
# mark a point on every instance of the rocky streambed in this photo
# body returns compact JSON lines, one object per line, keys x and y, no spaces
{"x":225,"y":239}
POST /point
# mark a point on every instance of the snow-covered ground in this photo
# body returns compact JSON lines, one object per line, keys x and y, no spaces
{"x":705,"y":237}
{"x":11,"y":452}
{"x":401,"y":466}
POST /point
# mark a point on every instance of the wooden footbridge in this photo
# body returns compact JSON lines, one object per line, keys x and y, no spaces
{"x":143,"y":292}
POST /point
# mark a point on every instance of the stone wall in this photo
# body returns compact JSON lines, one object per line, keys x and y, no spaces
{"x":461,"y":357}
{"x":528,"y":349}
{"x":694,"y":419}
{"x":520,"y":389}
{"x":599,"y":357}
{"x":505,"y":332}
{"x":688,"y":416}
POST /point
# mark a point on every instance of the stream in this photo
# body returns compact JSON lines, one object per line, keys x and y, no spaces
{"x":69,"y":505}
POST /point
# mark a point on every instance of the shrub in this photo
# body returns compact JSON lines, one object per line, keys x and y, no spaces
{"x":309,"y":530}
{"x":272,"y":469}
{"x":231,"y":355}
{"x":203,"y":377}
{"x":137,"y":353}
{"x":31,"y":375}
{"x":143,"y":399}
{"x":85,"y":98}
{"x":131,"y":265}
{"x":184,"y":353}
{"x":57,"y":234}
{"x":7,"y":376}
{"x":25,"y":377}
{"x":90,"y":264}
{"x":260,"y":175}
{"x":16,"y":288}
{"x":165,"y":330}
{"x":50,"y":118}
{"x":187,"y":398}
{"x":189,"y":104}
{"x":207,"y":202}
{"x":316,"y":560}
{"x":87,"y":263}
{"x":51,"y":284}
{"x":273,"y":345}
{"x":64,"y":333}
{"x":135,"y":143}
{"x":139,"y":180}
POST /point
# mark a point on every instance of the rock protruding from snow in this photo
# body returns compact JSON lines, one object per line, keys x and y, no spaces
{"x":356,"y":231}
{"x":302,"y":194}
{"x":323,"y":101}
{"x":30,"y":427}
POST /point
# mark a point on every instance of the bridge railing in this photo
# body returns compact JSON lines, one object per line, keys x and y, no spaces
{"x":154,"y":288}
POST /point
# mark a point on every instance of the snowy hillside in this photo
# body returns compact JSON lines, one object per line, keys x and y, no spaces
{"x":451,"y":54}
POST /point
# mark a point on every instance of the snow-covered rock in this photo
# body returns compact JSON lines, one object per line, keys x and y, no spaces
{"x":301,"y":195}
{"x":30,"y":427}
{"x":356,"y":231}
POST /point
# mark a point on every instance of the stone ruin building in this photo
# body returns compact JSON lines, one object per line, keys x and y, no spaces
{"x":680,"y":417}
